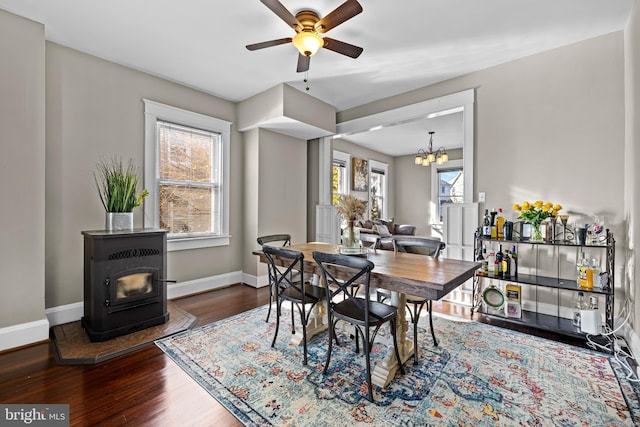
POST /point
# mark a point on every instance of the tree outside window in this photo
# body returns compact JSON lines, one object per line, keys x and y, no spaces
{"x":190,"y":190}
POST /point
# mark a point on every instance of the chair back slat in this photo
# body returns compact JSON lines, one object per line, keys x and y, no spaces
{"x":359,"y":273}
{"x":283,"y":272}
{"x":284,"y":238}
{"x":418,"y":245}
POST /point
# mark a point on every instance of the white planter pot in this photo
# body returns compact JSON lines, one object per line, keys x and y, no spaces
{"x":118,"y":221}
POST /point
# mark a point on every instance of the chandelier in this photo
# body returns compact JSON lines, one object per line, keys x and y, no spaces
{"x":425,"y":158}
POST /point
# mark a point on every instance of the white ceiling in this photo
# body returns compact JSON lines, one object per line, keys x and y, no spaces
{"x":407,"y":44}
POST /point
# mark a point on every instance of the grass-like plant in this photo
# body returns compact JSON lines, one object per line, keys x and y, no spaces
{"x":117,"y":185}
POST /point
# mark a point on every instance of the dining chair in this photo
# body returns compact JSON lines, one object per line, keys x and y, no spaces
{"x":302,"y":295}
{"x":284,"y":240}
{"x":422,"y":246}
{"x":363,"y":313}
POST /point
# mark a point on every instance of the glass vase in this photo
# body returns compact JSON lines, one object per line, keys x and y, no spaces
{"x":536,"y":233}
{"x":348,"y":236}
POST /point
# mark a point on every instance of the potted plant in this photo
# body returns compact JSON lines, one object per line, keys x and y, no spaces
{"x":117,"y":185}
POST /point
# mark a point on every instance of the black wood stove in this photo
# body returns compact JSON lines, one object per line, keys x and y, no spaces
{"x":124,"y":281}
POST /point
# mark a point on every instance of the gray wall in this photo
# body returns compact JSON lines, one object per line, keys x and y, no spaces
{"x":94,"y":109}
{"x":632,"y":157}
{"x":412,"y":190}
{"x":543,"y":125}
{"x":277,"y":188}
{"x":22,"y":189}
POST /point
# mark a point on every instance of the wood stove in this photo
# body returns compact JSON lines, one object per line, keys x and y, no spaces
{"x":124,"y":281}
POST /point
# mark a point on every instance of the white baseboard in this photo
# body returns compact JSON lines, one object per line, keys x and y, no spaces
{"x":65,"y":313}
{"x":24,"y":334}
{"x":255,"y":281}
{"x":205,"y":284}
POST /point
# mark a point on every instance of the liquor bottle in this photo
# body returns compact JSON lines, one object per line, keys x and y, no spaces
{"x":595,"y":273}
{"x":494,"y":229}
{"x":593,"y":302}
{"x":581,"y":270}
{"x":481,"y":260}
{"x":578,"y":305}
{"x":506,"y":265}
{"x":492,"y":263}
{"x":514,"y":262}
{"x":486,"y":224}
{"x":485,"y":264}
{"x":499,"y":264}
{"x":499,"y":224}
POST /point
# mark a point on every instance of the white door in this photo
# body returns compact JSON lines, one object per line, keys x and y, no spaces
{"x":460,"y":222}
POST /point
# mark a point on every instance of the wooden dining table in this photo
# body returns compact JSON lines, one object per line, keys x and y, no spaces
{"x":401,"y":273}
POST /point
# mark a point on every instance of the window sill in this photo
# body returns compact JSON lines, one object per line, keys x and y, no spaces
{"x":181,"y":244}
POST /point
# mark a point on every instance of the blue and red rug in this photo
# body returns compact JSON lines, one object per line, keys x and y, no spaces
{"x":479,"y":375}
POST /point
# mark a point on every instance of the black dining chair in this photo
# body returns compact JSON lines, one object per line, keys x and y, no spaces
{"x":302,"y":295}
{"x":421,"y":246}
{"x":363,"y":313}
{"x":283,"y":240}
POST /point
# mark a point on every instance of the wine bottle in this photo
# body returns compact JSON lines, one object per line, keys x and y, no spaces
{"x":499,"y":262}
{"x":506,"y":266}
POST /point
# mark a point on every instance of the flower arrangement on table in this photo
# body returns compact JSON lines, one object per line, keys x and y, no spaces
{"x":351,"y":209}
{"x":536,"y":213}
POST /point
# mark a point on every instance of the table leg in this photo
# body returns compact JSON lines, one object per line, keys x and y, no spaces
{"x":385,"y":370}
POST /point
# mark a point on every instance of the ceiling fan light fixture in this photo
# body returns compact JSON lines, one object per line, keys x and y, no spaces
{"x":308,"y":42}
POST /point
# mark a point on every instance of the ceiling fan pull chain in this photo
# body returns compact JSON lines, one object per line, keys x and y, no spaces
{"x":306,"y":78}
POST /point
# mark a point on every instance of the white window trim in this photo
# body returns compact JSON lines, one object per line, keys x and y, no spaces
{"x":346,"y":158}
{"x":374,"y":164}
{"x":154,"y":111}
{"x":435,"y":168}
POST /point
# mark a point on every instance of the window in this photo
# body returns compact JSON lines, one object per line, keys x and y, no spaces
{"x":186,"y":172}
{"x":340,"y":175}
{"x":448,"y":179}
{"x":378,"y":190}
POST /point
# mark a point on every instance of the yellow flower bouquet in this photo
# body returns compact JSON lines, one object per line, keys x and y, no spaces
{"x":536,"y":213}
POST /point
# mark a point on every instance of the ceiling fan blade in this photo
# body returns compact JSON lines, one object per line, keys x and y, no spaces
{"x":303,"y":63}
{"x":270,"y":43}
{"x":342,"y":47}
{"x":279,"y":9}
{"x":345,"y":11}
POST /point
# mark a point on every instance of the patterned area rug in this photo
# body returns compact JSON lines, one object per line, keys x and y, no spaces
{"x":479,"y":375}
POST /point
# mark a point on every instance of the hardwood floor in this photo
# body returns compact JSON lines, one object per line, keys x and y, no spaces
{"x":143,"y":388}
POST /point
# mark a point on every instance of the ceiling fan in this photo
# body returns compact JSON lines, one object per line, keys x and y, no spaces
{"x":308,"y":27}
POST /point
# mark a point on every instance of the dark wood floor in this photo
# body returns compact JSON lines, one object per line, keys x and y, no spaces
{"x":143,"y":388}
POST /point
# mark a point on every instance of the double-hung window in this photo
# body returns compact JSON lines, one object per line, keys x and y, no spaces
{"x":186,"y":172}
{"x":340,"y":175}
{"x":378,"y":190}
{"x":447,"y":183}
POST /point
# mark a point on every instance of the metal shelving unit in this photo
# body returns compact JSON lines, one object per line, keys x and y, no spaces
{"x":535,"y":319}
